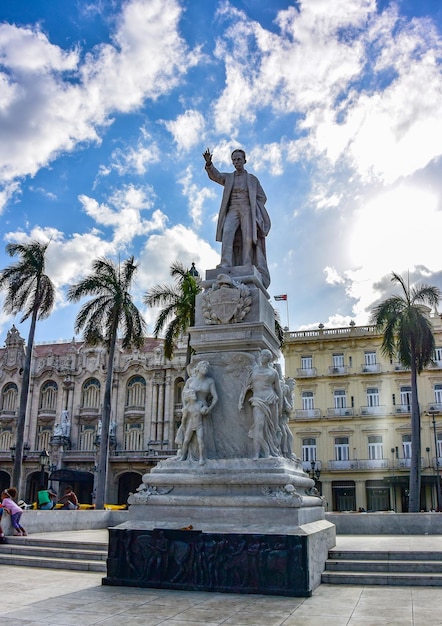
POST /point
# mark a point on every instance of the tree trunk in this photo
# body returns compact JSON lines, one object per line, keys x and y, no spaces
{"x":415,"y":467}
{"x":103,"y":454}
{"x":21,"y":420}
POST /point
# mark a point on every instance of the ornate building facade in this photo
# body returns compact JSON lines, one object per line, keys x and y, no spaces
{"x":352,"y":415}
{"x":64,"y":410}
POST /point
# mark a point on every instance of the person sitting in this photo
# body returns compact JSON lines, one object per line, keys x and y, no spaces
{"x":69,"y":499}
{"x":45,"y":500}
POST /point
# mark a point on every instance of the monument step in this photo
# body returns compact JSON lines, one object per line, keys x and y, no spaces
{"x":411,"y":579}
{"x":384,"y":566}
{"x":53,"y":554}
{"x":408,"y":568}
{"x":386,"y":555}
{"x":52,"y":563}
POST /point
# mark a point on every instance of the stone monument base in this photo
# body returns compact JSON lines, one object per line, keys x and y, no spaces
{"x":233,"y":525}
{"x":272,"y":561}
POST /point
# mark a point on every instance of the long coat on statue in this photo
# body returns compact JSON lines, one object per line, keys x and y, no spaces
{"x":260,"y":218}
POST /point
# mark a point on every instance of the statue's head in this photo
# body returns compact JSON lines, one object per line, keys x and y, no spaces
{"x":266,"y":356}
{"x":241,"y":151}
{"x":202,"y":367}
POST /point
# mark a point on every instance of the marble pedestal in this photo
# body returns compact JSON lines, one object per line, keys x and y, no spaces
{"x":261,"y":516}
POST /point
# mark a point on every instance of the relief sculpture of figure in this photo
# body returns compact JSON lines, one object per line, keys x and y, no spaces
{"x":286,"y":444}
{"x":192,"y":424}
{"x":266,"y":402}
{"x":243,"y":221}
{"x":199,"y":398}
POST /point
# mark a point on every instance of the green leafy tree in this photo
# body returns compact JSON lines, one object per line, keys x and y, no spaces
{"x":31,"y":292}
{"x":408,"y":335}
{"x":110,"y":312}
{"x":178,"y":313}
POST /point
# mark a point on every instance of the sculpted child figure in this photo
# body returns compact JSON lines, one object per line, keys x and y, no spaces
{"x":192,"y":424}
{"x":199,"y":398}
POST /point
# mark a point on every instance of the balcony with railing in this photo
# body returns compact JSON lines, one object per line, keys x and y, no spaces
{"x":331,"y":333}
{"x":47,"y":413}
{"x":338,"y":370}
{"x":341,"y":412}
{"x":307,"y":465}
{"x":402,"y":409}
{"x":8,"y":414}
{"x":400,"y":367}
{"x":307,"y":414}
{"x":436,"y":464}
{"x":134,"y":411}
{"x":435,"y":365}
{"x":306,"y":372}
{"x":373,"y":411}
{"x":434,"y":408}
{"x":357,"y":465}
{"x":405,"y":463}
{"x":373,"y":368}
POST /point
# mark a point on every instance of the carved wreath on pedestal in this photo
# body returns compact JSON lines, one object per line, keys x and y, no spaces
{"x":226,"y":302}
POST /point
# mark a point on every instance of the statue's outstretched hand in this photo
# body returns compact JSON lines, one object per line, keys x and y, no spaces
{"x":207,"y":157}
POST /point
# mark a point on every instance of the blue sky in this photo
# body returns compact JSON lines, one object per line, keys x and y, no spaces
{"x":107,"y":106}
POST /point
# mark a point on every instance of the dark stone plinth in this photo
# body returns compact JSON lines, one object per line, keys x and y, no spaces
{"x":198,"y":561}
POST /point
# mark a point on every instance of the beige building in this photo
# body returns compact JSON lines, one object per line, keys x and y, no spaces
{"x":352,"y":415}
{"x":64,"y":409}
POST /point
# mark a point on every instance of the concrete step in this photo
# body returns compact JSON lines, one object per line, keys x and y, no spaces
{"x":377,"y":578}
{"x":372,"y":565}
{"x":48,"y":553}
{"x":358,"y":567}
{"x":54,"y":552}
{"x":390,"y":555}
{"x":52,"y":563}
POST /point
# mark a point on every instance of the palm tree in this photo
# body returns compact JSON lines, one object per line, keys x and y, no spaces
{"x":101,"y":319}
{"x":29,"y":291}
{"x":179,"y":307}
{"x":408,"y":335}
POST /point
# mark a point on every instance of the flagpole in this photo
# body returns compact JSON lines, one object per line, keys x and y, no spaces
{"x":287,"y":305}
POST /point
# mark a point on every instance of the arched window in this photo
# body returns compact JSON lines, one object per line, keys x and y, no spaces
{"x":90,"y":396}
{"x":44,"y":435}
{"x":136,"y":392}
{"x":9,"y":397}
{"x":5,"y":438}
{"x":133,"y":436}
{"x":48,"y":396}
{"x":88,"y":433}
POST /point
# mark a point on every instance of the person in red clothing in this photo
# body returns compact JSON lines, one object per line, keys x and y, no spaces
{"x":69,"y":500}
{"x":10,"y":506}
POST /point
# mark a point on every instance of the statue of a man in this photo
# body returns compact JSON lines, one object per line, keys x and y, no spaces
{"x":243,"y":221}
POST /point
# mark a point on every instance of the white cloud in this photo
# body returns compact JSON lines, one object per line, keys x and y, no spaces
{"x":161,"y":250}
{"x":133,"y":158}
{"x":187,"y":130}
{"x":52,"y":100}
{"x":196,"y":196}
{"x":125,"y":216}
{"x":332,"y":277}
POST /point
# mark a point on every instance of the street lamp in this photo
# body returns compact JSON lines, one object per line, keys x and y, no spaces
{"x":433,"y":412}
{"x":44,"y":462}
{"x":26,"y":448}
{"x":315,"y":471}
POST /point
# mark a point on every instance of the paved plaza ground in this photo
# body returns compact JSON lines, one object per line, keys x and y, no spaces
{"x":43,"y":596}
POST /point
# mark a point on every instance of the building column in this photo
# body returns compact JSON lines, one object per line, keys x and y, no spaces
{"x":361,"y":494}
{"x":167,"y":434}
